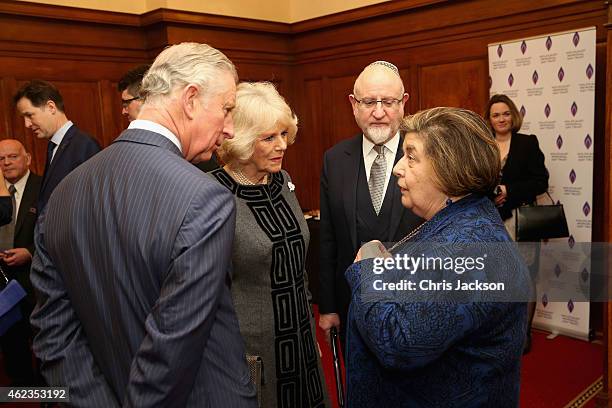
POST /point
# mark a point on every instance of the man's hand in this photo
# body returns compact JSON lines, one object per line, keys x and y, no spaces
{"x":327,"y":321}
{"x":16,"y":256}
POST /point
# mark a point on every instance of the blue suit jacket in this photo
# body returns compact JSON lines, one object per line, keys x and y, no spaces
{"x":132,"y":278}
{"x":75,"y":148}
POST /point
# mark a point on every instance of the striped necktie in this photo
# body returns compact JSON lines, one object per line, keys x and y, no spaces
{"x":378,"y":173}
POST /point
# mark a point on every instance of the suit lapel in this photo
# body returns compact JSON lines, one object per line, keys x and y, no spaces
{"x":513,"y":151}
{"x":397,"y":209}
{"x":27,"y":200}
{"x":58,"y":154}
{"x":349,"y":193}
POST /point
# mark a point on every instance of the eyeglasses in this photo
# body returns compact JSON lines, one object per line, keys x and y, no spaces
{"x":126,"y":102}
{"x":370,"y":103}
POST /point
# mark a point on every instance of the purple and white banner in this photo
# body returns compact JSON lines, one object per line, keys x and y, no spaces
{"x":551,"y":79}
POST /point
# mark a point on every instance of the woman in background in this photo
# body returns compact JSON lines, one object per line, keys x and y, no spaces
{"x":523,"y":175}
{"x":269,"y":282}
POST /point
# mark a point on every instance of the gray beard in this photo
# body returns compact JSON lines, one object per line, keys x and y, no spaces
{"x":378,"y":135}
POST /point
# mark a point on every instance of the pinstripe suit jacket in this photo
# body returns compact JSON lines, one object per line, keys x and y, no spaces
{"x":132,"y":279}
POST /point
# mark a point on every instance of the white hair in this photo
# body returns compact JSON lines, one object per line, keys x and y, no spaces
{"x":182,"y":64}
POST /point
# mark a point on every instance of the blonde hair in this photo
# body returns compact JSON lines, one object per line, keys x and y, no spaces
{"x":259,"y":109}
{"x":462,"y":150}
{"x":182,"y":64}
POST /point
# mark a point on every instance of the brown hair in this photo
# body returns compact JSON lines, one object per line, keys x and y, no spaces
{"x":462,"y":150}
{"x":38,"y":93}
{"x":132,"y":80}
{"x":517,"y":118}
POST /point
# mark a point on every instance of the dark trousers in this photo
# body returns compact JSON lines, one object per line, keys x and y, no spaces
{"x":17,"y":354}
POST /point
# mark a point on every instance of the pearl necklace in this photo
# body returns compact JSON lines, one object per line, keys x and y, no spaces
{"x":239,"y":176}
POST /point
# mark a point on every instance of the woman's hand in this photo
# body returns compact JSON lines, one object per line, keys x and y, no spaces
{"x":502,"y":195}
{"x":372,"y":249}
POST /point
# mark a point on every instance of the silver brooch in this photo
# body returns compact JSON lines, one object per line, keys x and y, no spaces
{"x":291,"y":186}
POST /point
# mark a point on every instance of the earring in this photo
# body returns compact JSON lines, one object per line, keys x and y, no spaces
{"x":449,"y":201}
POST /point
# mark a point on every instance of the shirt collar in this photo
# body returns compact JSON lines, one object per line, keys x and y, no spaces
{"x":157,"y":128}
{"x":20,"y":184}
{"x":61,"y":132}
{"x":392,"y":145}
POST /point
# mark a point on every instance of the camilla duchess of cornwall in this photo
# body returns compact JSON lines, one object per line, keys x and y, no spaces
{"x":269,"y":281}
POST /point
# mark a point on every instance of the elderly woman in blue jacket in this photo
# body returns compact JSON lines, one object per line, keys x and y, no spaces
{"x":449,"y":340}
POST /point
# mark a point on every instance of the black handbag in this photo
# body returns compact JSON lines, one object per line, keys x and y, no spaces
{"x":538,"y":222}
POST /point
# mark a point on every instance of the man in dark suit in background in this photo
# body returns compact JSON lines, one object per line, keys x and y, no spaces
{"x":360,"y":198}
{"x":17,"y":245}
{"x":133,"y":255}
{"x":131,"y":101}
{"x":42,"y":108}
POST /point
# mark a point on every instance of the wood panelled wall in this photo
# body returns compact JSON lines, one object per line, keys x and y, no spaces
{"x":440,"y":47}
{"x":441,"y":50}
{"x":85,"y":53}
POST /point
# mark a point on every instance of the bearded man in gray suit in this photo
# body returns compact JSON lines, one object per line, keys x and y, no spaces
{"x":132,"y":255}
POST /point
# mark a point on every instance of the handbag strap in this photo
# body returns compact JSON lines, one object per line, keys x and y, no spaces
{"x":551,"y":199}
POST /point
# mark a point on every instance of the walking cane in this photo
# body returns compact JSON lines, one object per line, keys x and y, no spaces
{"x":337,"y":372}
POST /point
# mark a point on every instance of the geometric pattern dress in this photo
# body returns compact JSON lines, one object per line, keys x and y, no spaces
{"x":270,"y":291}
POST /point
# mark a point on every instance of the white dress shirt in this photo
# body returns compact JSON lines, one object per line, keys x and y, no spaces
{"x":19,"y":189}
{"x":157,"y":128}
{"x":369,"y":155}
{"x":59,"y":136}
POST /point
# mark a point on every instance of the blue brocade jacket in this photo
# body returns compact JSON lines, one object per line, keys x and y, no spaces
{"x":437,"y":351}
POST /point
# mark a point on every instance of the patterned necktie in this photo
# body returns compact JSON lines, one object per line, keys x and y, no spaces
{"x":377,"y":178}
{"x":7,"y":232}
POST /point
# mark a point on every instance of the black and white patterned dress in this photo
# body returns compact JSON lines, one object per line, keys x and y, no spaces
{"x":270,"y":293}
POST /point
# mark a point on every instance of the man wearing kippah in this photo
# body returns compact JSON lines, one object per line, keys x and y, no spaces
{"x":360,"y":199}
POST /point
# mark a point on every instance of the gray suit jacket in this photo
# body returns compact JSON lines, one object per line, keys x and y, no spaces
{"x":132,"y":279}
